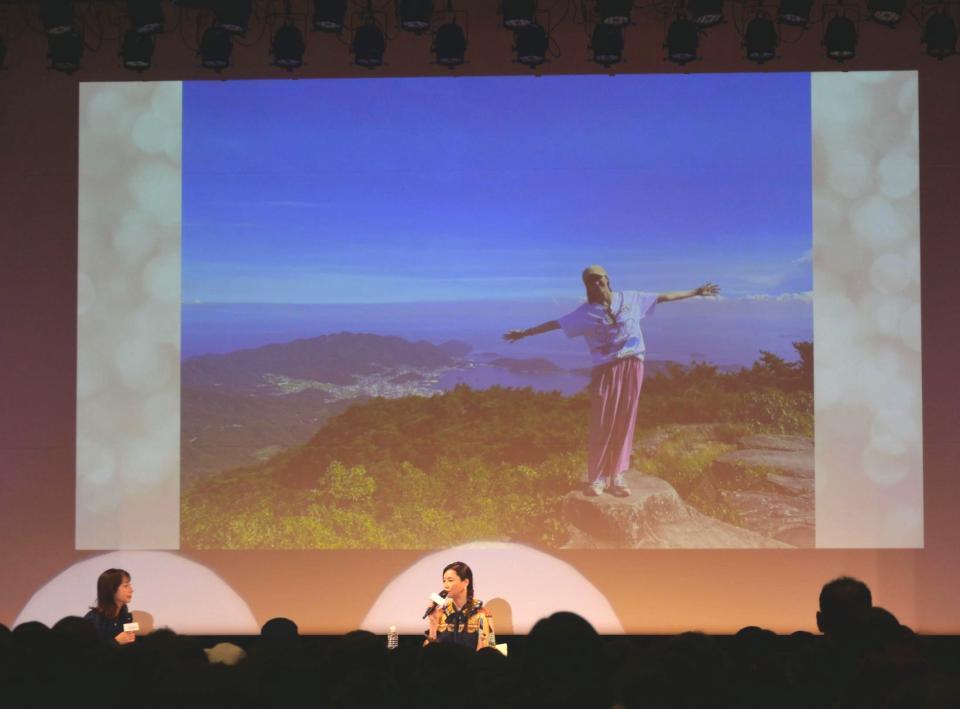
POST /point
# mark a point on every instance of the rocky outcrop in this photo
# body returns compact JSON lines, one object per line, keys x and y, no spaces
{"x":769,"y":484}
{"x":785,"y":471}
{"x":653,"y":517}
{"x":772,"y":442}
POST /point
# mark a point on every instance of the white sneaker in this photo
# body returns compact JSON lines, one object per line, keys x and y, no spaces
{"x":596,"y":488}
{"x":619,"y":487}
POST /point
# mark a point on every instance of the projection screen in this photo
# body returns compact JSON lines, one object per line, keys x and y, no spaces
{"x":293,"y":298}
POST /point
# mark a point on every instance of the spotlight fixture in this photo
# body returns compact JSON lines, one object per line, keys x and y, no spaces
{"x":761,"y":39}
{"x":146,"y":16}
{"x":328,"y":15}
{"x":415,"y":15}
{"x":450,"y":45}
{"x":518,"y":13}
{"x":683,"y":40}
{"x":607,"y":44}
{"x":57,"y":16}
{"x":368,"y":45}
{"x":288,"y":47}
{"x":215,"y":47}
{"x":840,"y":38}
{"x":137,"y":50}
{"x":614,"y":12}
{"x":795,"y":12}
{"x":940,"y":35}
{"x":531,"y":45}
{"x":65,"y":50}
{"x":706,"y":13}
{"x":233,"y":15}
{"x":886,"y":12}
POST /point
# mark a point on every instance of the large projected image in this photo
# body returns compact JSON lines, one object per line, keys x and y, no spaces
{"x":680,"y":312}
{"x":391,"y":338}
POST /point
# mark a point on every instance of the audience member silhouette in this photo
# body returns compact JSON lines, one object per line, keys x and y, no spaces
{"x":843,"y":602}
{"x":865,"y":658}
{"x":565,"y":664}
{"x":279,"y":629}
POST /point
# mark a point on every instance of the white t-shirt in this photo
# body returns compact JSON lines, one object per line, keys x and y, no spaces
{"x":608,"y":341}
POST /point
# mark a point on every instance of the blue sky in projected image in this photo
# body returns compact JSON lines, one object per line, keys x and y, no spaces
{"x":444,"y":189}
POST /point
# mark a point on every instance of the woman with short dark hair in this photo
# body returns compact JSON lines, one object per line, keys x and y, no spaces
{"x":114,"y":592}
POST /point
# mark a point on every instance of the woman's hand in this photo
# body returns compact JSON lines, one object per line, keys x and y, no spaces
{"x":708,"y":289}
{"x":434,"y":620}
{"x":125,"y":638}
{"x":514,"y":335}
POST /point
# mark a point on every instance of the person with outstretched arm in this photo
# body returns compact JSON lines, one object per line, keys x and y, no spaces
{"x":610,"y":323}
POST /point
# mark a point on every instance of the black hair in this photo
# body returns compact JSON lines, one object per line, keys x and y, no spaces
{"x":843,"y":602}
{"x":107,"y":585}
{"x":464,"y":572}
{"x":845,"y":594}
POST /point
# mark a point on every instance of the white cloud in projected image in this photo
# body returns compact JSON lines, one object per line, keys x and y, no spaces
{"x":544,"y":277}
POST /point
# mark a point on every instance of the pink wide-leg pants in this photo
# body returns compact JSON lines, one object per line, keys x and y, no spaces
{"x":614,"y":395}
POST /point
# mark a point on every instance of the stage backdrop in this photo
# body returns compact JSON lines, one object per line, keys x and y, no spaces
{"x":293,"y":397}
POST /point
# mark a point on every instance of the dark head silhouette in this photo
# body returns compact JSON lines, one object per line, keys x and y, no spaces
{"x":279,"y":629}
{"x":565,"y":663}
{"x":842,"y":602}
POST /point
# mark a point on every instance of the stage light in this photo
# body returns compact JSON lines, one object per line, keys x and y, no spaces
{"x":65,"y":51}
{"x":761,"y":39}
{"x":328,"y":15}
{"x":146,"y":16}
{"x":607,"y":44}
{"x":531,"y":45}
{"x":288,"y":47}
{"x":233,"y":15}
{"x":368,"y":45}
{"x":415,"y":15}
{"x":940,"y":35}
{"x":840,"y":38}
{"x":886,"y":12}
{"x":615,"y":12}
{"x":137,"y":50}
{"x":706,"y":13}
{"x":795,"y":12}
{"x":450,"y":45}
{"x":683,"y":39}
{"x":57,"y":16}
{"x":519,"y":13}
{"x":215,"y":48}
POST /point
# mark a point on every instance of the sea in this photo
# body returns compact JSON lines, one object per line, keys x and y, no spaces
{"x":727,"y":333}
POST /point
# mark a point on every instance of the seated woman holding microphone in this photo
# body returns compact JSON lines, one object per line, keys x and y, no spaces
{"x":111,"y":614}
{"x":461,"y":619}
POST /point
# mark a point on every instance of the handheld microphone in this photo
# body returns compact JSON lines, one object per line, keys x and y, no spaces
{"x":437,"y":599}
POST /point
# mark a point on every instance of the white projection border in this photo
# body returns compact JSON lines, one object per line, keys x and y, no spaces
{"x":869,"y":476}
{"x":866,"y":257}
{"x":128,"y":316}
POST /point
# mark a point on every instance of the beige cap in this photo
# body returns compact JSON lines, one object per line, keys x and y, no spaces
{"x":594,"y":271}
